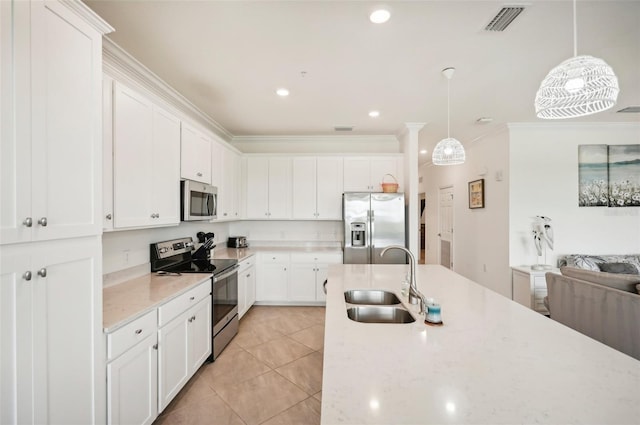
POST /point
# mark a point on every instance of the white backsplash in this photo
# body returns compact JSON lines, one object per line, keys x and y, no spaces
{"x":288,"y":233}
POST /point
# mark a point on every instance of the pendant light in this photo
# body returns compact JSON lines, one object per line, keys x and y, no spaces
{"x":448,"y":151}
{"x":582,"y":85}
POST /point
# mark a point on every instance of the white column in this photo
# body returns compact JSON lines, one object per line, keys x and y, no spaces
{"x":410,"y":150}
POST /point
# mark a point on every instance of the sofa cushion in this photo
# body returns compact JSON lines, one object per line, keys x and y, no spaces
{"x":623,"y":282}
{"x":591,"y":262}
{"x":638,"y":288}
{"x":622,"y":268}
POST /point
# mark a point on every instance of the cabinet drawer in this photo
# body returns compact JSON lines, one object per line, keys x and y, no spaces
{"x":319,"y":257}
{"x":173,"y":308}
{"x":540,"y":282}
{"x":129,"y":335}
{"x":245,"y":264}
{"x":274,"y":257}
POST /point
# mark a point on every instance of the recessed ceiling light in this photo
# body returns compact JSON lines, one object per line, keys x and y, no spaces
{"x":423,"y":151}
{"x":282,"y":92}
{"x":380,"y":16}
{"x":374,"y":114}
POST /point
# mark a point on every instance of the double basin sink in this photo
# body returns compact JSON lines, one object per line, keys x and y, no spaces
{"x":375,"y":306}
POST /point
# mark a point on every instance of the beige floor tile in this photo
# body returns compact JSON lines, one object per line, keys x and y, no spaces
{"x":306,"y":372}
{"x":288,"y":324}
{"x":315,"y":313}
{"x":232,"y":369}
{"x":306,"y":412}
{"x":279,"y":352}
{"x":312,"y":337}
{"x":194,"y":391}
{"x":211,"y":410}
{"x":255,"y":334}
{"x":318,"y":396}
{"x":261,"y":398}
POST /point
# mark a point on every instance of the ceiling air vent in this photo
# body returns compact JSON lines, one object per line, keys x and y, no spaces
{"x":505,"y":16}
{"x":631,"y":109}
{"x":343,"y":128}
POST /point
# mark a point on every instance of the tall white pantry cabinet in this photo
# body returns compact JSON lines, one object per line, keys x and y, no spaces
{"x":51,"y":353}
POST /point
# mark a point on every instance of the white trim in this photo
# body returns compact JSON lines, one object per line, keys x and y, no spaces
{"x":316,"y":139}
{"x":88,"y":15}
{"x":118,"y":63}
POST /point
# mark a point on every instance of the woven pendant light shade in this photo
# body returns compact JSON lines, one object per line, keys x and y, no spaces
{"x":582,"y":85}
{"x":448,"y":151}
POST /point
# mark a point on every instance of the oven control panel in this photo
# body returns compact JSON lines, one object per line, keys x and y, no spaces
{"x":173,"y":247}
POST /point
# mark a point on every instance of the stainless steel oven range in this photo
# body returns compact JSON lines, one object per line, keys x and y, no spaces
{"x":175,"y":256}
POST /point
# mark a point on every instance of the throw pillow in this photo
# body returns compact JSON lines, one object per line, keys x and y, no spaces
{"x":623,"y":268}
{"x":623,"y":282}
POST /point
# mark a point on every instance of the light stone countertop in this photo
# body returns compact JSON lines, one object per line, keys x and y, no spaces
{"x":124,"y":302}
{"x":493,"y":362}
{"x":242,"y":253}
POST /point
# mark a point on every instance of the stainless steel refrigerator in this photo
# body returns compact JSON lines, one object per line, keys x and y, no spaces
{"x":373,"y":221}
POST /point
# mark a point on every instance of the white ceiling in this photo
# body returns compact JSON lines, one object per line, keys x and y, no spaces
{"x":229,"y":57}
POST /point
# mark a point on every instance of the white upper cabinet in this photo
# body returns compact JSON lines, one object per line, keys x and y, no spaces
{"x":146,"y":174}
{"x":317,"y":188}
{"x":366,"y":174}
{"x":51,"y":123}
{"x":229,"y":190}
{"x":268,"y":188}
{"x":195,"y":155}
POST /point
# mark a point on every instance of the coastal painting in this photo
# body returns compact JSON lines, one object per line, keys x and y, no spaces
{"x":593,"y":176}
{"x":624,"y":175}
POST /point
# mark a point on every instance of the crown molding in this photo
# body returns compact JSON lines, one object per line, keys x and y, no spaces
{"x":556,"y":124}
{"x":88,"y":15}
{"x":118,"y":63}
{"x":316,"y":139}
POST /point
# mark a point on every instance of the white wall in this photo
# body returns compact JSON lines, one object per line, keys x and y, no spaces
{"x":481,"y":238}
{"x":544,"y":181}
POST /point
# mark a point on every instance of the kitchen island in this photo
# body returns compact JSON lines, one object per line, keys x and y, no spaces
{"x":492,"y":362}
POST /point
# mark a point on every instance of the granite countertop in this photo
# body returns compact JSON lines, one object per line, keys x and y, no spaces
{"x":493,"y":360}
{"x":129,"y":300}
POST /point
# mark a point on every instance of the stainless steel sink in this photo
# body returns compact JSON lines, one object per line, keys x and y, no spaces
{"x":371,"y":297}
{"x":379,"y":314}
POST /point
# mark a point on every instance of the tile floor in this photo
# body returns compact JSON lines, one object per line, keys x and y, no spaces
{"x":270,"y":373}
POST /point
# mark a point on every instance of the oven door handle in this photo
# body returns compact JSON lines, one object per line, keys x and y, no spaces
{"x":225,"y":275}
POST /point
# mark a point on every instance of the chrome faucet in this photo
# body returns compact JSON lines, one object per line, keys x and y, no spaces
{"x":415,"y":296}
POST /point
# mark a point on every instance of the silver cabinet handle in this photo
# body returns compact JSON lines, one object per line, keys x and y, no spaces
{"x":28,"y":222}
{"x":26,"y":275}
{"x":199,"y":174}
{"x":42,"y":272}
{"x":108,"y":217}
{"x":43,"y":222}
{"x":138,"y":331}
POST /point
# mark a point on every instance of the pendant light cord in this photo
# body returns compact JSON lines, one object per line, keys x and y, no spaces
{"x":448,"y":108}
{"x":575,"y":31}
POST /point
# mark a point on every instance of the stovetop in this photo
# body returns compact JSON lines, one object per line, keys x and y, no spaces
{"x":175,"y":256}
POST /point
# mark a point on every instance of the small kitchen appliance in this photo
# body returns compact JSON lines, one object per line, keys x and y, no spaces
{"x":175,"y":257}
{"x":198,"y":201}
{"x":237,"y":242}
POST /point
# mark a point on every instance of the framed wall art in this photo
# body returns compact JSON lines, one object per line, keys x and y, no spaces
{"x":476,"y":194}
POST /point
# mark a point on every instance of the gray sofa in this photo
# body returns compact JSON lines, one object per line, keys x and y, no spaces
{"x":602,"y":305}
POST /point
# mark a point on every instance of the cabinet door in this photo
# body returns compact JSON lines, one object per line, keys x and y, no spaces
{"x":272,"y":284}
{"x":227,"y":194}
{"x":250,"y":294}
{"x":356,"y":175}
{"x":379,"y":168}
{"x":329,"y":188}
{"x":132,"y":385}
{"x":302,"y":285}
{"x":258,"y":188}
{"x":242,"y":294}
{"x":132,"y":158}
{"x":200,"y":336}
{"x":107,"y":153}
{"x":67,"y":318}
{"x":304,"y":188}
{"x":279,"y":188}
{"x":165,"y":197}
{"x":15,"y":150}
{"x":195,"y":155}
{"x":66,"y":123}
{"x":173,"y":359}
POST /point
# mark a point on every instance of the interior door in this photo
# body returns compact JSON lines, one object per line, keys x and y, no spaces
{"x":445,"y":227}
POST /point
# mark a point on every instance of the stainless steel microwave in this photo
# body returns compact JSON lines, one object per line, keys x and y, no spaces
{"x":199,"y":201}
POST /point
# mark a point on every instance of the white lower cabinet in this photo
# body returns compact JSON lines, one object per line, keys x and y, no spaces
{"x":183,"y":345}
{"x":293,"y":277}
{"x":132,"y":382}
{"x":246,"y":285}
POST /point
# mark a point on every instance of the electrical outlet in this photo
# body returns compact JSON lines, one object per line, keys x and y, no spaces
{"x":125,"y":256}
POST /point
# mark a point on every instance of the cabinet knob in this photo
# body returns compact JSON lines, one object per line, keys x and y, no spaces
{"x":249,"y":275}
{"x":108,"y":217}
{"x":199,"y":174}
{"x":138,"y":331}
{"x":28,"y":222}
{"x":43,"y":222}
{"x":225,"y":214}
{"x":26,"y":275}
{"x":192,"y":298}
{"x":42,"y":272}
